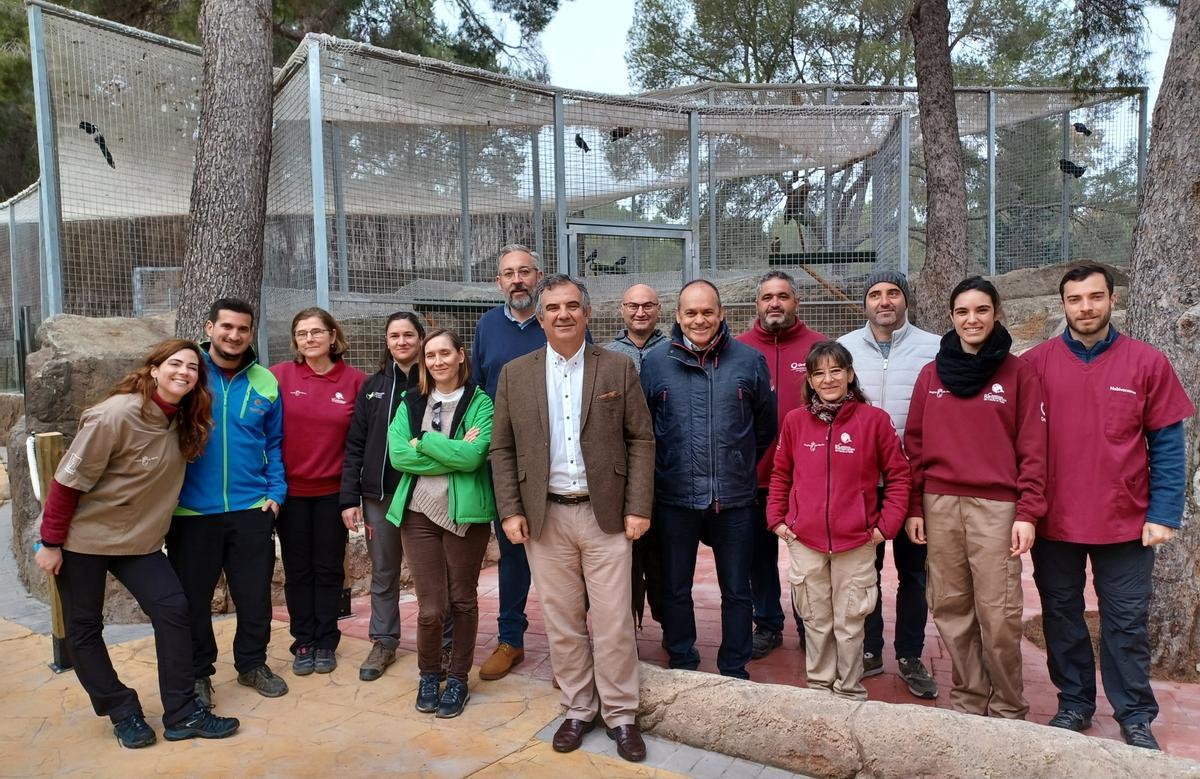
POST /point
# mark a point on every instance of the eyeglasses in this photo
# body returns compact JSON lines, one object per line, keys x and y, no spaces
{"x":435,"y":419}
{"x":633,"y":307}
{"x":316,"y":332}
{"x":524,"y":272}
{"x":836,"y":374}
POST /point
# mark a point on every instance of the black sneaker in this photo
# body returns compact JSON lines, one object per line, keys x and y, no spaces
{"x":204,"y":692}
{"x":427,"y":694}
{"x":454,"y":699}
{"x":133,"y":732}
{"x":872,"y":664}
{"x":919,"y":682}
{"x":202,"y":724}
{"x":1069,"y":719}
{"x":325,"y":661}
{"x":304,"y":662}
{"x":764,"y":641}
{"x":1138,"y":735}
{"x":263,"y":680}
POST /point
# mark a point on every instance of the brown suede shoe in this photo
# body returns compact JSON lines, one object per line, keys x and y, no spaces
{"x":501,"y":662}
{"x":569,"y":735}
{"x":629,"y":742}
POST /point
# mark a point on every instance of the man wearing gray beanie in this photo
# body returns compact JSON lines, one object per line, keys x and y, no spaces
{"x":888,"y":354}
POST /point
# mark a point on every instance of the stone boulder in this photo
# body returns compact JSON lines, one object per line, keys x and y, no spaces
{"x":1038,"y":282}
{"x":815,"y":734}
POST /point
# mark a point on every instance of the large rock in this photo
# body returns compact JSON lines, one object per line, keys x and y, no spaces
{"x":1037,"y":282}
{"x":815,"y":734}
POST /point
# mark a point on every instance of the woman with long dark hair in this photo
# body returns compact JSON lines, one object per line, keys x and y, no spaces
{"x":369,"y":481}
{"x":318,"y":390}
{"x":976,"y":439}
{"x":444,"y":507}
{"x":108,"y":511}
{"x":834,"y":452}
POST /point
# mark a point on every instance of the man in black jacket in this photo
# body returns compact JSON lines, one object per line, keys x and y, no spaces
{"x":713,"y":409}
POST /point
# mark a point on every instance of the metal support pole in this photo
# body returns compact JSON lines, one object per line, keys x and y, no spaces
{"x":1064,"y":219}
{"x":316,"y":152}
{"x":692,"y":269}
{"x":18,"y":351}
{"x":339,"y":207}
{"x":565,"y":261}
{"x":1142,"y":140}
{"x":712,"y":196}
{"x":902,"y":216}
{"x":536,"y":162}
{"x":991,"y":182}
{"x":263,"y":331}
{"x":464,"y":193}
{"x":828,"y":189}
{"x":48,"y":195}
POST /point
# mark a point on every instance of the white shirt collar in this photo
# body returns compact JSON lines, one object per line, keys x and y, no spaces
{"x":558,"y":359}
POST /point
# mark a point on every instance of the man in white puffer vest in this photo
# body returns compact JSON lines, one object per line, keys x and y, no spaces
{"x":888,"y":354}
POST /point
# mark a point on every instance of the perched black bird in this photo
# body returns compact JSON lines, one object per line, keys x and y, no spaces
{"x":1082,"y":128}
{"x":87,"y":127}
{"x":617,"y":133}
{"x":775,"y":245}
{"x":582,"y":144}
{"x":1068,"y":167}
{"x":98,"y":137}
{"x":590,"y":258}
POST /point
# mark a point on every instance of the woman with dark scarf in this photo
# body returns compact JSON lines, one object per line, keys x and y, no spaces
{"x":833,"y":453}
{"x":976,"y":439}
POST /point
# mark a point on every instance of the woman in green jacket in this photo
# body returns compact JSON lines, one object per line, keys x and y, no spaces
{"x":444,"y":505}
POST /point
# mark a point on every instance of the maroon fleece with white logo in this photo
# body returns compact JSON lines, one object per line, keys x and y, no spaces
{"x":316,"y":417}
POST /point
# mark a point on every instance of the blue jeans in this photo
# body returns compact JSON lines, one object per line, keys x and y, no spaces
{"x":764,"y":572}
{"x":514,"y":591}
{"x":730,"y":535}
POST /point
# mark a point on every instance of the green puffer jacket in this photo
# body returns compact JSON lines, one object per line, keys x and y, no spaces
{"x":471,"y":497}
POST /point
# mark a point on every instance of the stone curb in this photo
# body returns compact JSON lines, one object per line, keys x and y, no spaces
{"x":816,"y":734}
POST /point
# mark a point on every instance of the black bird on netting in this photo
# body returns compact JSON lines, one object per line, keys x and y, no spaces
{"x":1082,"y":128}
{"x":1070,"y":168}
{"x":617,"y":133}
{"x":582,"y":144}
{"x":98,"y":138}
{"x":776,"y":244}
{"x":590,"y":258}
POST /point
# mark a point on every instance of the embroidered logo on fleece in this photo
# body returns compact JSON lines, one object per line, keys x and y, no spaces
{"x":374,"y":395}
{"x":996,"y":395}
{"x":338,"y":398}
{"x":845,"y":447}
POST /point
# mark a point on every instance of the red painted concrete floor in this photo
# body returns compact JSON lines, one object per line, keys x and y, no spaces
{"x":1177,"y":726}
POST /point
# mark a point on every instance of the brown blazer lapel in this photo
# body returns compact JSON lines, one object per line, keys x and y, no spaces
{"x":538,"y":379}
{"x":590,"y":359}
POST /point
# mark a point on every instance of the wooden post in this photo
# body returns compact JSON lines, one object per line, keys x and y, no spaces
{"x":47,"y":451}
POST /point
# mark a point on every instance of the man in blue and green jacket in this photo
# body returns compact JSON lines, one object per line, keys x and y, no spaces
{"x":230,"y":499}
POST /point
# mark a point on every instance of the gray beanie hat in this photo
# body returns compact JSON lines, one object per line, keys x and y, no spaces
{"x":888,"y":277}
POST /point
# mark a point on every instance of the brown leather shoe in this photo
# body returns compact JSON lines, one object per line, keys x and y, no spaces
{"x":629,"y":742}
{"x":569,"y":735}
{"x":501,"y":662}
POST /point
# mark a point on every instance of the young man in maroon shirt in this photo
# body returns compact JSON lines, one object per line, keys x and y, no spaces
{"x":1115,"y":410}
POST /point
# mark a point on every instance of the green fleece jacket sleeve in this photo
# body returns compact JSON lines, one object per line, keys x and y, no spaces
{"x":403,"y":456}
{"x":455,"y":453}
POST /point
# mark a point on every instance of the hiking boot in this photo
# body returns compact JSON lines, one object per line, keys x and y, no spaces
{"x":1138,"y":735}
{"x":264,"y":681}
{"x":1069,"y":719}
{"x":872,"y":664}
{"x":133,"y":732}
{"x":325,"y":661}
{"x":445,"y":663}
{"x":501,"y":662}
{"x":204,"y":692}
{"x":202,"y":724}
{"x":427,"y":694}
{"x":454,"y":699}
{"x":377,"y":661}
{"x":304,"y":662}
{"x":920,"y":683}
{"x":764,"y":641}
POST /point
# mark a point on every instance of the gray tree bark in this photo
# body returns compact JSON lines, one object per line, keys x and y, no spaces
{"x":1164,"y":291}
{"x":233,"y":156}
{"x":946,"y":229}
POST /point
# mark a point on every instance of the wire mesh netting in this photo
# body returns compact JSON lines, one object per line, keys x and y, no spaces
{"x":20,"y":280}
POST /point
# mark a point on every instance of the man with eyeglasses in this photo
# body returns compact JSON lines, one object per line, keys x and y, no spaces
{"x":640,"y":310}
{"x":504,"y":333}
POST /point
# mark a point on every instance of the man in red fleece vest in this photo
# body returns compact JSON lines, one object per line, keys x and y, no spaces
{"x":784,"y":340}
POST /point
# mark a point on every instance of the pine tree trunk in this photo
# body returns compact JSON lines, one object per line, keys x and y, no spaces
{"x":233,"y":156}
{"x":946,"y":230}
{"x":1165,"y":310}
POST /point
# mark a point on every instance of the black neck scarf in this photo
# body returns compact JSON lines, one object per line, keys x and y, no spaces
{"x":965,"y":374}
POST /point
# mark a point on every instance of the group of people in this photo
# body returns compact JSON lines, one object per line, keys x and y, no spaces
{"x":604,"y":468}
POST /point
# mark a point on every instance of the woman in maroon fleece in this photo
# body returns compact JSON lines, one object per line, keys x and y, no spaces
{"x":318,"y":390}
{"x":832,"y":454}
{"x":976,"y":438}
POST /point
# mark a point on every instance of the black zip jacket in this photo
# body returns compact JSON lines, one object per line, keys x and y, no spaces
{"x":366,"y":471}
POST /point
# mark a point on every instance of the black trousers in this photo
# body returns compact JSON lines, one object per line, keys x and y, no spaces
{"x":1121,"y":576}
{"x":153,"y":584}
{"x":312,"y":539}
{"x":912,"y":610}
{"x":242,"y":544}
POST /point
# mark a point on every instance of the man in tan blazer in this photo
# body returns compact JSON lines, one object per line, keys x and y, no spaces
{"x":573,"y":466}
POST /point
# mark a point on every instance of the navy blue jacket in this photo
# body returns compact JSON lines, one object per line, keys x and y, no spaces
{"x":714,"y":417}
